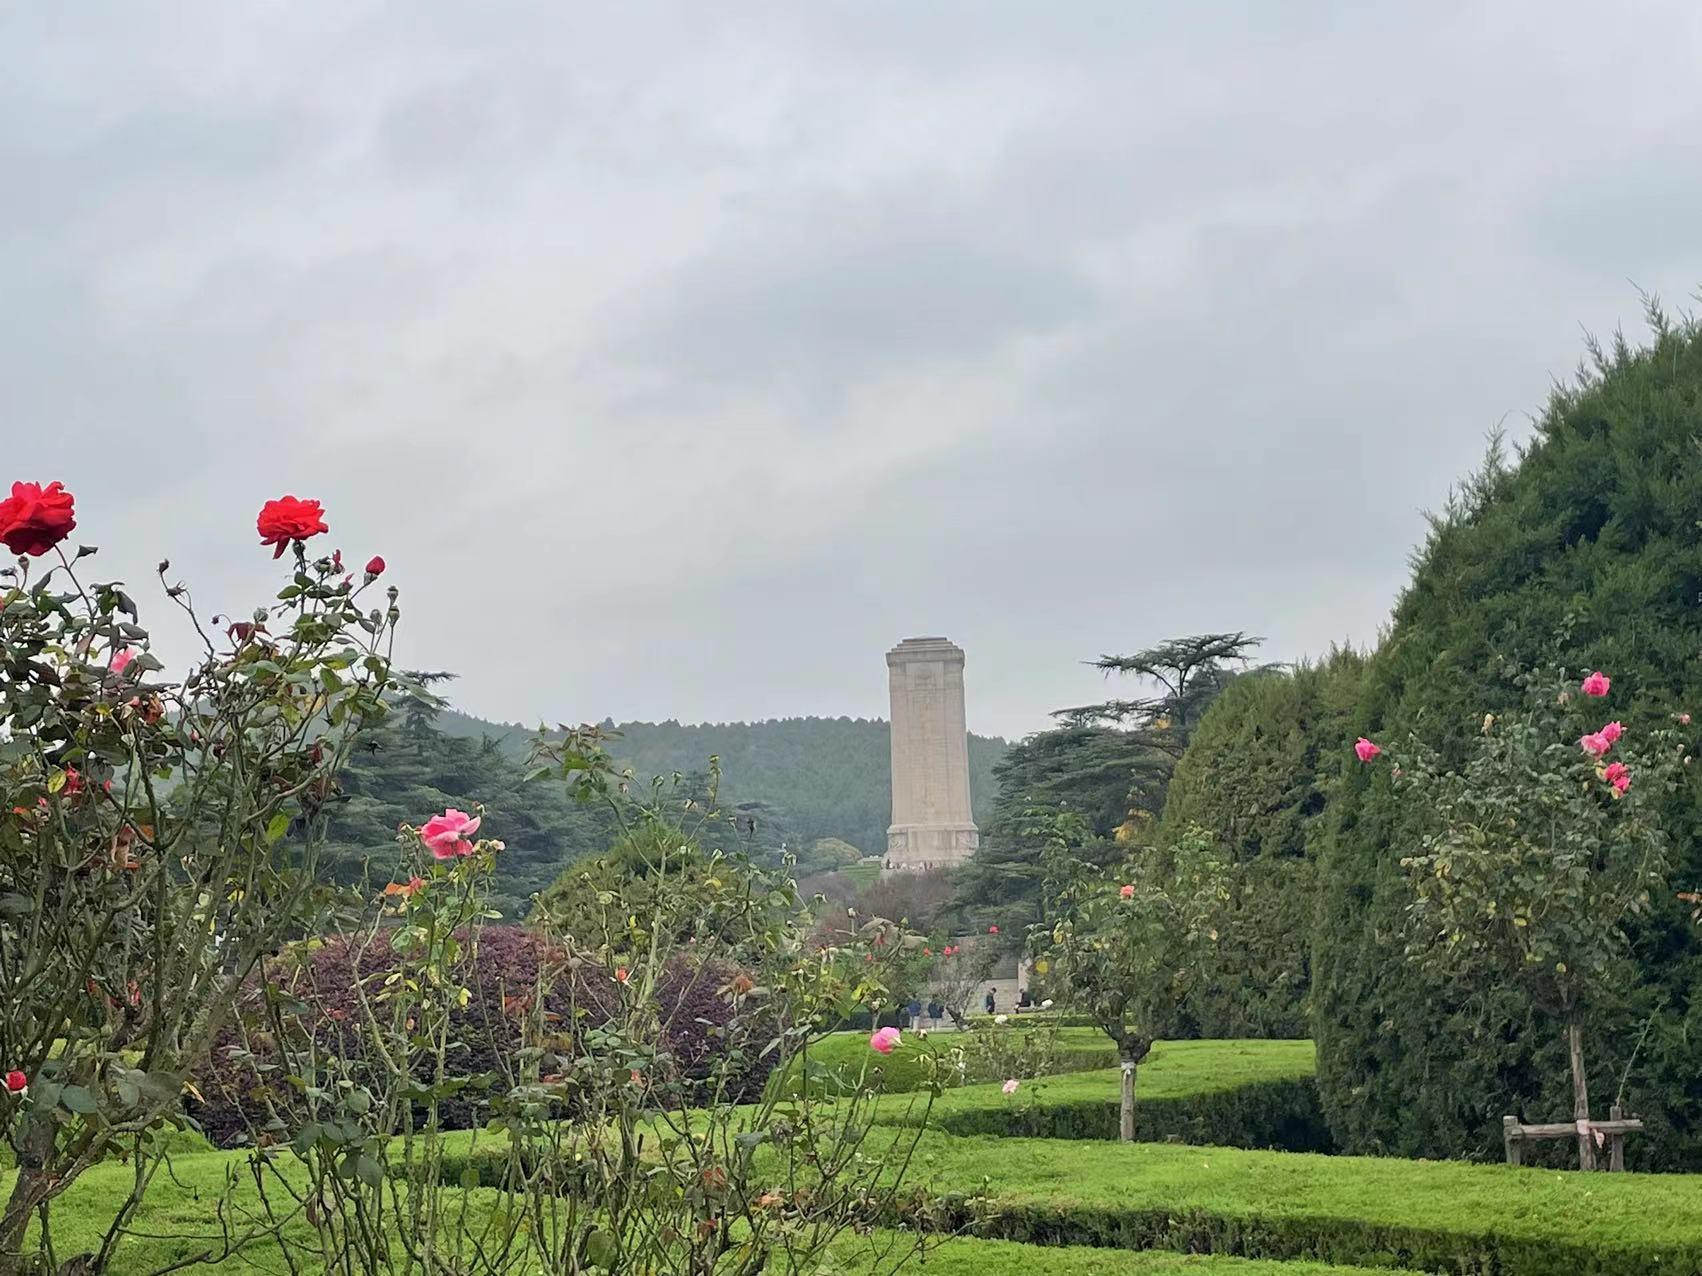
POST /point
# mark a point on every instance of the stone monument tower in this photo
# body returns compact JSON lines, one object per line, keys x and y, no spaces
{"x":932,"y":825}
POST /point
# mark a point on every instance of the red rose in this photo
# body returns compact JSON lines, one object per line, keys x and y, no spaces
{"x":287,"y":519}
{"x":16,"y":1082}
{"x":374,"y":567}
{"x":33,"y":519}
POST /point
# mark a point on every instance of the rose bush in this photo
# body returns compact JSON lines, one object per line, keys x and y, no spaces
{"x":619,"y":1120}
{"x":158,"y":838}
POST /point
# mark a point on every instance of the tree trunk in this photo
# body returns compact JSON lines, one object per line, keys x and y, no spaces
{"x":1580,"y":1092}
{"x":1126,"y":1119}
{"x":31,"y":1187}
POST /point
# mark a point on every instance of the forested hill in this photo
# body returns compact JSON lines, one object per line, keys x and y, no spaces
{"x":820,"y":777}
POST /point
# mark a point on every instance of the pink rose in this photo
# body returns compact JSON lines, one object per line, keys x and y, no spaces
{"x":1009,"y":1087}
{"x":1596,"y":684}
{"x":1614,"y":770}
{"x":1611,"y":732}
{"x":1595,"y":744}
{"x":1621,"y":784}
{"x":1365,"y":749}
{"x":121,"y":660}
{"x":1127,"y":892}
{"x":451,"y":834}
{"x":1684,"y":719}
{"x":883,"y":1040}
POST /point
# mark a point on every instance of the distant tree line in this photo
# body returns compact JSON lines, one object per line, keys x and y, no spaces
{"x":817,"y":788}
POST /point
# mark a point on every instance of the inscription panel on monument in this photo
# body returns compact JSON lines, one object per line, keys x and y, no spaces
{"x":930,"y":753}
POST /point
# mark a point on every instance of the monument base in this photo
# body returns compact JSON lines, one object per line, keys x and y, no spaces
{"x":916,"y":848}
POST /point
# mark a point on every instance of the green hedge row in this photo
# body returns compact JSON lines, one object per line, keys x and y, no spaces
{"x":1346,"y":1241}
{"x":842,"y":1061}
{"x":1285,"y":1115}
{"x":1249,"y":1094}
{"x":967,"y":1256}
{"x":1369,"y":1212}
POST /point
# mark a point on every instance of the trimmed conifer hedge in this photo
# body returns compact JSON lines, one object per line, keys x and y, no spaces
{"x":1586,"y":554}
{"x":1284,"y":1115}
{"x":1254,"y":778}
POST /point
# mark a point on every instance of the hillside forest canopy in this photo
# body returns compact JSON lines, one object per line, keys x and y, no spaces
{"x":815,"y":788}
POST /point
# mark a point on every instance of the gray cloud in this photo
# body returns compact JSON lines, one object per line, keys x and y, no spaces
{"x":681,"y":358}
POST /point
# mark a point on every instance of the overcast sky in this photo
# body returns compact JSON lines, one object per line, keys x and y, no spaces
{"x":681,"y":360}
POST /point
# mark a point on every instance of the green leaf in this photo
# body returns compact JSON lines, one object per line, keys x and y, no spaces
{"x":601,"y":1249}
{"x":79,"y":1099}
{"x":279,"y":825}
{"x":368,"y":1170}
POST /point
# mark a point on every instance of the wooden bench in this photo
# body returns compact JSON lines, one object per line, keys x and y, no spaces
{"x":1613,"y":1131}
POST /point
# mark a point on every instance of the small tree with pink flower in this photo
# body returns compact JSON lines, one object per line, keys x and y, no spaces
{"x":1537,"y":849}
{"x":957,"y":973}
{"x":1121,"y":946}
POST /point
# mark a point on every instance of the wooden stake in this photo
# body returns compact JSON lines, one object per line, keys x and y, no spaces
{"x":1126,"y":1120}
{"x":1580,"y":1094}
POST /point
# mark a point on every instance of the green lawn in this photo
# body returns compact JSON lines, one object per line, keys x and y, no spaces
{"x":843,"y":1061}
{"x":862,"y":876}
{"x":1086,"y":1056}
{"x":1080,"y":1207}
{"x":1174,"y":1070}
{"x":178,"y":1226}
{"x":1268,"y":1205}
{"x":1432,"y":1216}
